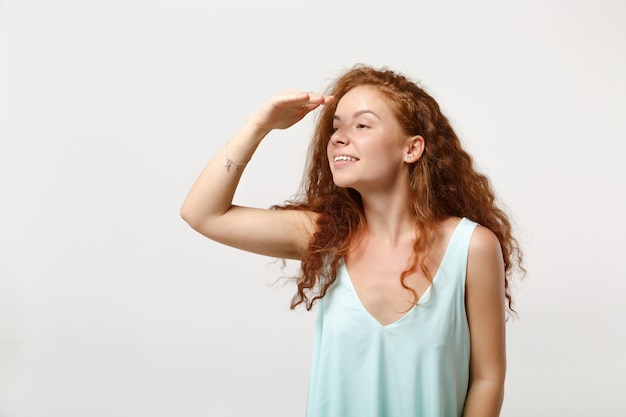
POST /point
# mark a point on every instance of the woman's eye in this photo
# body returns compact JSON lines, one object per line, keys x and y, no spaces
{"x":361,"y":126}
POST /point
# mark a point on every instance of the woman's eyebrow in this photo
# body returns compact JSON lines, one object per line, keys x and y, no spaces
{"x":359,"y":113}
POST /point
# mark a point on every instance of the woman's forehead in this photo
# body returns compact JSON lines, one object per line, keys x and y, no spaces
{"x":360,"y":100}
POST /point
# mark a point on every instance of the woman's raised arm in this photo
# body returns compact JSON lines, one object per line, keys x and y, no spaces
{"x":208,"y":206}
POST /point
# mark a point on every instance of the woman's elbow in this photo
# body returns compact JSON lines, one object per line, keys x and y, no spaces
{"x":190,"y":217}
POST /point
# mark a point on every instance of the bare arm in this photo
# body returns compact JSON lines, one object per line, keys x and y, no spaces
{"x":208,"y":206}
{"x":485,"y":304}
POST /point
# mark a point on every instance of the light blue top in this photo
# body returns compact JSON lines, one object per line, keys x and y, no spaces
{"x":417,"y":366}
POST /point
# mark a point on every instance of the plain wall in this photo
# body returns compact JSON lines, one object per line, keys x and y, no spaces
{"x":110,"y":305}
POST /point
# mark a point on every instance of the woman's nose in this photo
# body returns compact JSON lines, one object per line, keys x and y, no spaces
{"x":338,"y":137}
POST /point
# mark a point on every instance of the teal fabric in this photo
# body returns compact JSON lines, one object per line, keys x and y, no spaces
{"x":415,"y":367}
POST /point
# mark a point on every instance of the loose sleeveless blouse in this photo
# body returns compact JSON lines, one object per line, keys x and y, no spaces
{"x":417,"y":366}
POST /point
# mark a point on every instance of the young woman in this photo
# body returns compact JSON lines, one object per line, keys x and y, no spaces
{"x":401,"y":245}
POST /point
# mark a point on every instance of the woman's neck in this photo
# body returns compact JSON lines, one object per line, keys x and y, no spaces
{"x":388,"y":217}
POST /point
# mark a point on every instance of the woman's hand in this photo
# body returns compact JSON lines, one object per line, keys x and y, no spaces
{"x":287,"y":108}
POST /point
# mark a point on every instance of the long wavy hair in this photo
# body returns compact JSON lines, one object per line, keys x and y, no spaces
{"x":443,"y":183}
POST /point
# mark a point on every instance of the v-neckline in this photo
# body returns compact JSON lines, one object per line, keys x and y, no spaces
{"x":421,"y":298}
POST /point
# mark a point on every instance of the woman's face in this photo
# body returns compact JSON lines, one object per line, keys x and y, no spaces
{"x":368,"y":149}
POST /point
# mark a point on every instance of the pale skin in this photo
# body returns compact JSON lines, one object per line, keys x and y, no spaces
{"x":370,"y":153}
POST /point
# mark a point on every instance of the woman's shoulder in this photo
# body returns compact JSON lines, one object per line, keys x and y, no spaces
{"x":485,"y":242}
{"x":482,"y":237}
{"x":485,"y":260}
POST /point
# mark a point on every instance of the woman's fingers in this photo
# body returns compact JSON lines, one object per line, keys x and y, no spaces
{"x":287,"y":108}
{"x":303,"y":97}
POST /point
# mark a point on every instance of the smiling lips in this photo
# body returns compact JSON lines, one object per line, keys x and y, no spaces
{"x":344,"y":158}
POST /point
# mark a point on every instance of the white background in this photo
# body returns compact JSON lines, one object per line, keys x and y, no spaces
{"x":110,"y":305}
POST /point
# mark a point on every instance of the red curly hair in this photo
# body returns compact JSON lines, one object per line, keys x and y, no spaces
{"x":443,"y":183}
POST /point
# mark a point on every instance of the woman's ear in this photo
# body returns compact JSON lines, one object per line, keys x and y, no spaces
{"x":415,"y":149}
